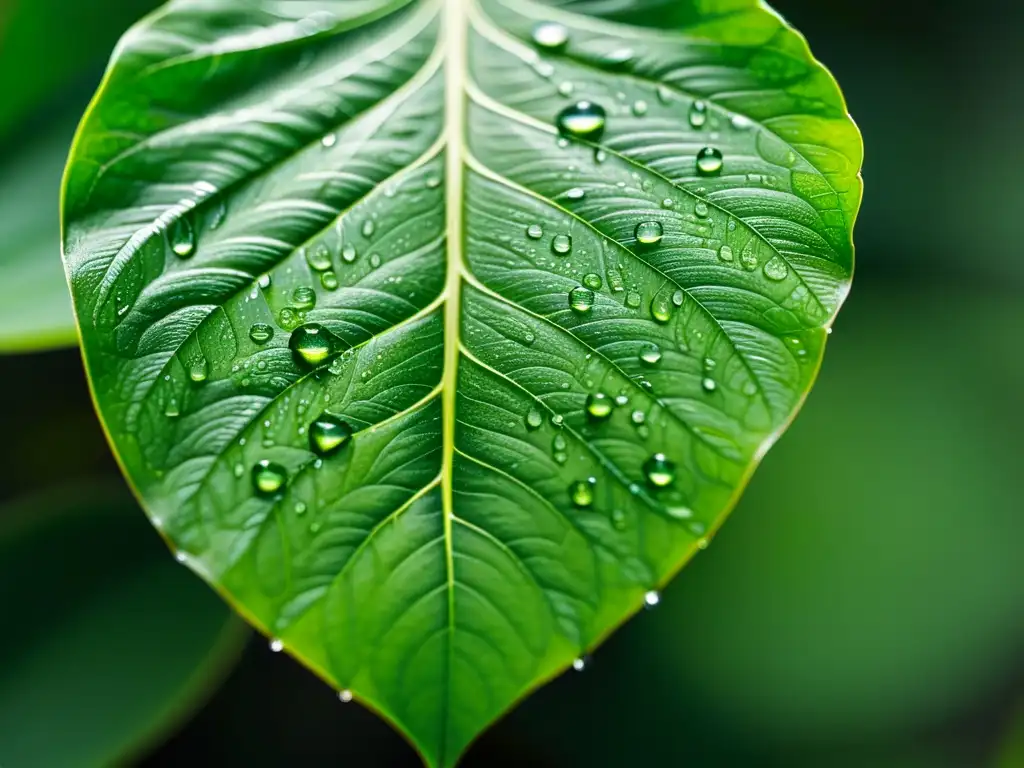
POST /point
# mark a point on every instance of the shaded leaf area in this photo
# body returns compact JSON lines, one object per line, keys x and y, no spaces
{"x":110,"y":648}
{"x":436,"y":395}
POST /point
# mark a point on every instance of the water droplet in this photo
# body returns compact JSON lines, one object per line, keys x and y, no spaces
{"x":776,"y":269}
{"x":217,"y":215}
{"x":660,"y":472}
{"x":639,"y":107}
{"x":375,"y":260}
{"x":592,"y":280}
{"x":345,"y":696}
{"x":698,"y":114}
{"x":678,"y":297}
{"x":348,"y":253}
{"x":328,"y":434}
{"x":561,"y":244}
{"x":599,"y":406}
{"x":300,"y":507}
{"x":263,"y":281}
{"x":701,"y":209}
{"x":171,"y":410}
{"x":329,"y":139}
{"x":651,"y":355}
{"x":661,"y":308}
{"x":557,"y":419}
{"x":535,"y":232}
{"x":633,"y":299}
{"x":329,"y":280}
{"x":565,"y":88}
{"x":709,"y":162}
{"x":620,"y":57}
{"x":579,"y":664}
{"x":583,"y":120}
{"x":304,"y":297}
{"x":311,"y":344}
{"x":199,"y":370}
{"x":288,"y":318}
{"x":600,"y":156}
{"x":319,"y":258}
{"x":638,"y":417}
{"x":368,"y":228}
{"x":725,"y":253}
{"x":649,"y":232}
{"x":268,"y":477}
{"x":709,"y":384}
{"x":740,"y":122}
{"x":651,"y":599}
{"x":559,"y":443}
{"x":576,"y":193}
{"x":276,"y":645}
{"x":534,"y":418}
{"x":182,"y":238}
{"x":668,"y":202}
{"x":618,"y":519}
{"x":581,"y":299}
{"x":550,"y":35}
{"x":678,"y":512}
{"x":748,"y":258}
{"x":582,"y":492}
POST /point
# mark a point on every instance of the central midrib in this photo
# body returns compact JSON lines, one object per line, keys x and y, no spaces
{"x":455,"y":22}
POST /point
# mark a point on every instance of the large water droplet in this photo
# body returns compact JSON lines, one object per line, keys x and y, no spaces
{"x":328,"y":434}
{"x":649,"y":232}
{"x":268,"y":477}
{"x":182,"y":238}
{"x":319,"y":258}
{"x":534,"y":419}
{"x":550,"y":35}
{"x":698,"y":114}
{"x":261,"y":333}
{"x":311,"y":344}
{"x":709,"y":162}
{"x":599,"y":406}
{"x":561,"y":244}
{"x":660,"y":472}
{"x":661,"y":308}
{"x":581,"y":299}
{"x":304,"y":297}
{"x":582,"y":492}
{"x":776,"y":269}
{"x":583,"y":120}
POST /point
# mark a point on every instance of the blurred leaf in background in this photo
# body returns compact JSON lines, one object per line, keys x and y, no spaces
{"x":108,"y":642}
{"x":52,"y":54}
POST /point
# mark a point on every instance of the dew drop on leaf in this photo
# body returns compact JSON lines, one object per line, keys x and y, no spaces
{"x":304,"y":297}
{"x":709,"y":384}
{"x":534,"y":419}
{"x":329,"y":280}
{"x":592,"y":280}
{"x":550,"y":36}
{"x":709,"y":162}
{"x":199,"y":370}
{"x":581,"y":299}
{"x":649,"y":232}
{"x":268,"y":477}
{"x":701,"y":209}
{"x":288,"y":318}
{"x":345,"y":696}
{"x":348,"y":253}
{"x":633,"y":299}
{"x":576,"y":193}
{"x":660,"y":471}
{"x":725,"y":253}
{"x":651,"y":599}
{"x":583,"y":120}
{"x":651,"y":355}
{"x":661,"y":308}
{"x":276,"y":646}
{"x":182,"y":238}
{"x":639,"y":107}
{"x":319,"y":258}
{"x":599,"y":406}
{"x":776,"y":269}
{"x":329,"y":140}
{"x":638,"y":417}
{"x":535,"y":232}
{"x":565,"y":88}
{"x":618,"y":519}
{"x":311,"y":344}
{"x":561,"y":244}
{"x":328,"y":434}
{"x":698,"y":114}
{"x":582,"y":492}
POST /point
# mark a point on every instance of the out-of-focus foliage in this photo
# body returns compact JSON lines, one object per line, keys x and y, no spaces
{"x":107,"y":642}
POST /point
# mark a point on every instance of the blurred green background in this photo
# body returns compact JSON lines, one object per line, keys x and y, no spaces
{"x":864,"y":606}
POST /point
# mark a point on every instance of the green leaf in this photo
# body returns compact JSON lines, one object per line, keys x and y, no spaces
{"x":286,"y":222}
{"x":35,"y":307}
{"x":111,"y":643}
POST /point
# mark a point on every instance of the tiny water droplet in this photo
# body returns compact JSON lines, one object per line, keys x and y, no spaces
{"x":709,"y":384}
{"x":581,"y":299}
{"x":701,"y":209}
{"x":678,"y":512}
{"x":561,"y":244}
{"x":593,"y":281}
{"x":433,"y":181}
{"x":583,"y":120}
{"x":172,"y":411}
{"x":276,"y":645}
{"x":678,"y":297}
{"x":725,"y":253}
{"x":651,"y":355}
{"x":600,"y":156}
{"x":750,"y":389}
{"x":329,"y":140}
{"x":576,"y":193}
{"x":559,"y":443}
{"x":263,"y":281}
{"x":740,"y":122}
{"x":268,"y":477}
{"x":345,"y":696}
{"x":182,"y":238}
{"x":776,"y":269}
{"x":698,"y":114}
{"x":534,"y":418}
{"x":311,"y":344}
{"x":535,"y":232}
{"x":348,"y":253}
{"x":651,"y":599}
{"x":660,"y":471}
{"x":300,"y":508}
{"x":599,"y":406}
{"x":368,"y":228}
{"x":550,"y":35}
{"x":620,"y":57}
{"x":649,"y":232}
{"x":668,"y":202}
{"x":709,"y":162}
{"x":582,"y":492}
{"x":638,"y":417}
{"x":579,"y":664}
{"x":565,"y":88}
{"x":319,"y":258}
{"x":639,"y":107}
{"x":328,"y":434}
{"x":304,"y":297}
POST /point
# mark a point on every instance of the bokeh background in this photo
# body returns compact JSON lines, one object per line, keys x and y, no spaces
{"x":864,"y":606}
